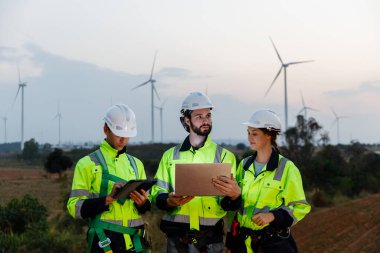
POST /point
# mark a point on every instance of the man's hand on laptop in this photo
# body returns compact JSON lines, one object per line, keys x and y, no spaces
{"x":174,"y":200}
{"x":228,"y":186}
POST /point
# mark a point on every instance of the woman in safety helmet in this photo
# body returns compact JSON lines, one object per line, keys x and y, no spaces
{"x":272,"y":197}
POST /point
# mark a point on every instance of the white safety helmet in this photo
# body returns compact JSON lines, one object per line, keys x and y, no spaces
{"x":121,"y":120}
{"x":264,"y":118}
{"x":196,"y":100}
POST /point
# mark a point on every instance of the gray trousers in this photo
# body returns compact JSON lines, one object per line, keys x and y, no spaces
{"x":210,"y":248}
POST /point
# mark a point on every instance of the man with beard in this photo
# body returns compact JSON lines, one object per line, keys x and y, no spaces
{"x":194,"y":223}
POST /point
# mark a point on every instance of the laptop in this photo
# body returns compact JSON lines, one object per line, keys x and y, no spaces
{"x":195,"y":179}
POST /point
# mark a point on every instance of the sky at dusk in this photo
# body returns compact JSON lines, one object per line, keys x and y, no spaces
{"x":87,"y":55}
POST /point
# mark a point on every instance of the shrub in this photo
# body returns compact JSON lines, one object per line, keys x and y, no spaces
{"x":20,"y":215}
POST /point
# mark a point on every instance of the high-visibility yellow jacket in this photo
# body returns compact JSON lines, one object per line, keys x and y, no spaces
{"x":277,"y":189}
{"x":204,"y":211}
{"x":85,"y":200}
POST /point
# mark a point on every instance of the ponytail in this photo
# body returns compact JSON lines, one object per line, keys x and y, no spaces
{"x":274,"y":143}
{"x":273,"y":135}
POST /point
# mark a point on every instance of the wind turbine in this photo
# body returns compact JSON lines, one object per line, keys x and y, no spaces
{"x":305,"y":108}
{"x":5,"y":128}
{"x":161,"y":108}
{"x":59,"y":116}
{"x":337,"y":118}
{"x":21,"y":85}
{"x":283,"y":66}
{"x":153,"y":90}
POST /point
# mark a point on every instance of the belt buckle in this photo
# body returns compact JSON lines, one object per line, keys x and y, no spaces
{"x":105,"y":243}
{"x":191,"y":236}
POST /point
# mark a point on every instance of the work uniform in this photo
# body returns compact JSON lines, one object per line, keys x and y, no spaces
{"x":198,"y":224}
{"x":120,"y":223}
{"x":277,"y":188}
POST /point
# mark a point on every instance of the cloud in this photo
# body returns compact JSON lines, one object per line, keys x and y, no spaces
{"x":179,"y":73}
{"x":365,"y":87}
{"x":12,"y":59}
{"x":8,"y":54}
{"x":370,"y":86}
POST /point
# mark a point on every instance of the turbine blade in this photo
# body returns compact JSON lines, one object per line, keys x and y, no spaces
{"x":14,"y":100}
{"x":155,"y":91}
{"x":278,"y":55}
{"x":303,"y":101}
{"x":154,"y":61}
{"x":140,"y":85}
{"x":279,"y":72}
{"x":299,"y":113}
{"x":298,"y":62}
{"x":163,"y":103}
{"x":311,"y":109}
{"x":332,"y":109}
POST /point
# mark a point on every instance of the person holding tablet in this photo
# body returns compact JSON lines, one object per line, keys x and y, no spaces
{"x":193,"y":223}
{"x":115,"y":224}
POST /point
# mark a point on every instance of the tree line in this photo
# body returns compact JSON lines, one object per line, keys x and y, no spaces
{"x":327,"y":170}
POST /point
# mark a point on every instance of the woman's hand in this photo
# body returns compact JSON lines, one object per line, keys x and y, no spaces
{"x":262,"y":219}
{"x":228,"y":186}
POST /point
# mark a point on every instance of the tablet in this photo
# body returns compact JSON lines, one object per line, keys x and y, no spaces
{"x":133,"y":185}
{"x":195,"y":179}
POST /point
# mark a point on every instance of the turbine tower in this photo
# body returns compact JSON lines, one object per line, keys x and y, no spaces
{"x":153,"y":90}
{"x":337,"y":118}
{"x":283,"y":66}
{"x":59,"y":116}
{"x":5,"y":128}
{"x":161,"y":108}
{"x":21,"y":85}
{"x":305,"y":108}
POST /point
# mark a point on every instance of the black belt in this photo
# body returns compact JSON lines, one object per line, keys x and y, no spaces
{"x":266,"y":232}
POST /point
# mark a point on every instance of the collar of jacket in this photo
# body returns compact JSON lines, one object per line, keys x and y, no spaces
{"x":186,"y":145}
{"x":272,"y":163}
{"x":110,"y":151}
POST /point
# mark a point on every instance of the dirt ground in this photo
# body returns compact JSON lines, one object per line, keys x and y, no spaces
{"x":14,"y":174}
{"x":353,"y":227}
{"x":48,"y":189}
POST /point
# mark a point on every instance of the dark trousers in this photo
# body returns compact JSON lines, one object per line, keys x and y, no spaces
{"x":276,"y":245}
{"x":265,"y":244}
{"x":175,"y":245}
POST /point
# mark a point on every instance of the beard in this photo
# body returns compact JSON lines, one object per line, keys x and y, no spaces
{"x":199,"y":131}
